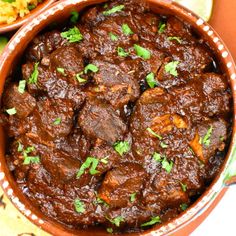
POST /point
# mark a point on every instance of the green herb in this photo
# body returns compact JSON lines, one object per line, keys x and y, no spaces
{"x":72,"y":35}
{"x":153,"y":221}
{"x":57,"y":121}
{"x":9,"y":1}
{"x":79,"y":206}
{"x":31,"y":159}
{"x":150,"y":78}
{"x":183,"y":206}
{"x":105,"y":5}
{"x":122,"y":52}
{"x":122,"y":147}
{"x":178,"y":39}
{"x":74,"y":16}
{"x":133,"y":197}
{"x":113,"y":36}
{"x":20,"y":147}
{"x":153,"y":133}
{"x":90,"y":67}
{"x":157,"y":157}
{"x":222,"y":138}
{"x":183,"y":186}
{"x":81,"y":80}
{"x":207,"y":138}
{"x":100,"y":201}
{"x":21,"y":86}
{"x":126,"y":29}
{"x":171,"y":68}
{"x":109,"y":230}
{"x":11,"y":111}
{"x":161,"y":27}
{"x":104,"y":160}
{"x":34,"y":76}
{"x":91,"y":163}
{"x":31,"y":6}
{"x":113,"y":10}
{"x":61,"y":70}
{"x":167,"y":165}
{"x":116,"y":221}
{"x":142,"y":52}
{"x":163,"y":145}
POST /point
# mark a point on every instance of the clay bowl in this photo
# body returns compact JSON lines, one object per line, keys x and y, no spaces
{"x":20,"y":21}
{"x":189,"y":219}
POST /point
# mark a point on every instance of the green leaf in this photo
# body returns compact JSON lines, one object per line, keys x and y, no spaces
{"x":11,"y":111}
{"x":161,"y":27}
{"x":122,"y":147}
{"x":178,"y":39}
{"x":183,"y":186}
{"x":142,"y":52}
{"x":21,"y":86}
{"x":153,"y":221}
{"x":101,"y":201}
{"x":20,"y":147}
{"x":90,"y":161}
{"x":183,"y":206}
{"x":154,"y":134}
{"x":61,"y":70}
{"x":133,"y":197}
{"x":80,"y":79}
{"x":157,"y":157}
{"x":57,"y":121}
{"x":116,"y":221}
{"x":167,"y":165}
{"x":90,"y":67}
{"x":113,"y":37}
{"x":72,"y":35}
{"x":163,"y":145}
{"x":150,"y":78}
{"x":74,"y":17}
{"x":113,"y":10}
{"x":207,"y":138}
{"x":33,"y":79}
{"x":126,"y":29}
{"x":79,"y":206}
{"x":31,"y":7}
{"x":104,"y":160}
{"x":109,"y":230}
{"x":122,"y":52}
{"x":171,"y":68}
{"x":31,"y":160}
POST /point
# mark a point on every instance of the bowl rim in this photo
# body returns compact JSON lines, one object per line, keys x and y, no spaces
{"x":203,"y":202}
{"x":22,"y":20}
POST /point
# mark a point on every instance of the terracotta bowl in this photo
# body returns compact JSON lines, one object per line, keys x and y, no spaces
{"x":188,"y":220}
{"x":20,"y":21}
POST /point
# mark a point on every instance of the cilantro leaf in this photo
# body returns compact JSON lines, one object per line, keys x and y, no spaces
{"x":157,"y":157}
{"x":34,"y":76}
{"x":21,"y":86}
{"x":183,"y":206}
{"x":31,"y":7}
{"x":154,"y":134}
{"x":31,"y":160}
{"x":116,"y":221}
{"x":90,"y":67}
{"x":114,"y":10}
{"x":121,"y":52}
{"x":161,"y":27}
{"x":150,"y":78}
{"x":61,"y":70}
{"x":171,"y":68}
{"x":167,"y":165}
{"x":72,"y":35}
{"x":74,"y":16}
{"x":126,"y":29}
{"x":142,"y":52}
{"x":20,"y":147}
{"x":79,"y":206}
{"x":178,"y":39}
{"x":122,"y":147}
{"x":113,"y":37}
{"x":133,"y":197}
{"x":80,"y":79}
{"x":91,"y":163}
{"x":11,"y":111}
{"x":184,"y":187}
{"x":153,"y":221}
{"x":57,"y":121}
{"x":163,"y":145}
{"x":207,"y":138}
{"x":109,"y":230}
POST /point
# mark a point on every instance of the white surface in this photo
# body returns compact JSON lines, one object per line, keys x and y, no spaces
{"x":221,"y":221}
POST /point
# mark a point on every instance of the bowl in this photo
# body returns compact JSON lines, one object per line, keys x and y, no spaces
{"x":188,"y":220}
{"x":22,"y":20}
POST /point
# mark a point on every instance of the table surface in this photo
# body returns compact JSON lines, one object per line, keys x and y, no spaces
{"x":224,"y":22}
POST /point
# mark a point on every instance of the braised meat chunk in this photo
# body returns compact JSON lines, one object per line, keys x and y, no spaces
{"x":119,"y":118}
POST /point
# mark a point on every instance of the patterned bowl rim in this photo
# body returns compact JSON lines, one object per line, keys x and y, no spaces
{"x":203,"y":203}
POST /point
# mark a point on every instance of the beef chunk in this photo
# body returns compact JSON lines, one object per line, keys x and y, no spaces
{"x":100,"y":120}
{"x":120,"y":183}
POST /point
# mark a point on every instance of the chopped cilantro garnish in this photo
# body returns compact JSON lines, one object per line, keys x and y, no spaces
{"x":153,"y":221}
{"x":163,"y":145}
{"x":161,"y":27}
{"x":207,"y":138}
{"x":116,"y":221}
{"x":113,"y":10}
{"x":81,"y":80}
{"x":142,"y":52}
{"x":79,"y":206}
{"x":90,"y":163}
{"x":34,"y":76}
{"x":178,"y":39}
{"x":72,"y":35}
{"x":167,"y":165}
{"x":11,"y":111}
{"x":31,"y":159}
{"x":153,"y":133}
{"x":183,"y":186}
{"x":74,"y":16}
{"x":150,"y":78}
{"x":57,"y":121}
{"x":126,"y":29}
{"x":61,"y":70}
{"x":183,"y":206}
{"x":20,"y":147}
{"x":21,"y":86}
{"x":109,"y":230}
{"x":113,"y":37}
{"x":104,"y":160}
{"x":222,"y":138}
{"x":133,"y":197}
{"x":90,"y":67}
{"x":171,"y":68}
{"x":31,"y":7}
{"x":157,"y":157}
{"x":121,"y":52}
{"x":122,"y":147}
